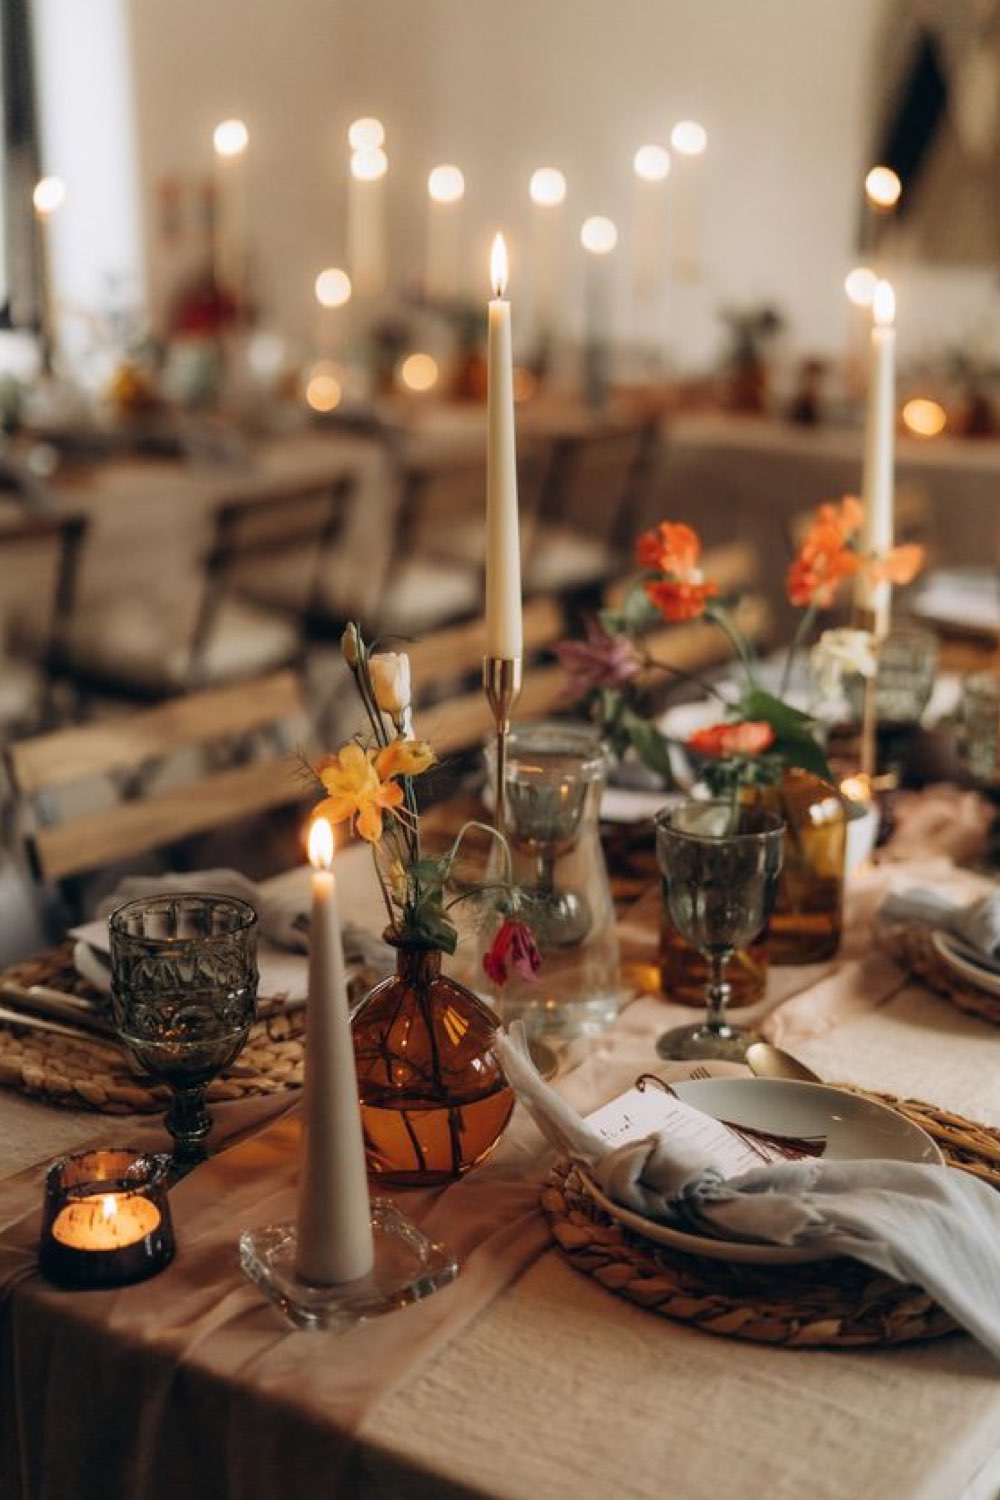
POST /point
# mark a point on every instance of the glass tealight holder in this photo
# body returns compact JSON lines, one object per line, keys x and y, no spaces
{"x":105,"y":1219}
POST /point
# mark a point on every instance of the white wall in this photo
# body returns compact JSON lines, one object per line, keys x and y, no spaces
{"x":502,"y":86}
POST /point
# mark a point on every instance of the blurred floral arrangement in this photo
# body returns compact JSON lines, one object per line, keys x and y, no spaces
{"x":760,"y":732}
{"x":370,"y":783}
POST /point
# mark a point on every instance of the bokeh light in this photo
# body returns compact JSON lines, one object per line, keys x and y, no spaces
{"x":689,"y":138}
{"x":883,"y":187}
{"x":418,"y":372}
{"x":366,"y":134}
{"x":598,"y":235}
{"x":860,"y":285}
{"x":369,"y":164}
{"x":924,"y":418}
{"x":651,"y":163}
{"x":231,"y":138}
{"x":547,"y":187}
{"x":446,"y":184}
{"x":324,"y":386}
{"x":333,"y":287}
{"x":49,"y":195}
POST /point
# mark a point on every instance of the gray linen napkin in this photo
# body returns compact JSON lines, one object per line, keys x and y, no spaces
{"x":933,"y":1226}
{"x":977,"y":924}
{"x":283,"y":919}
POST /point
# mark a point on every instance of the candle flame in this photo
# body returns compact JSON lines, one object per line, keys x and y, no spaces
{"x":856,"y":788}
{"x":231,"y":138}
{"x":498,"y":266}
{"x":109,"y":1208}
{"x":884,"y":305}
{"x":49,"y":196}
{"x":321,"y":844}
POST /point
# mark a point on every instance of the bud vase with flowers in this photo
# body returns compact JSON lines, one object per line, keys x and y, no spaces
{"x":764,"y":748}
{"x":434,"y":1100}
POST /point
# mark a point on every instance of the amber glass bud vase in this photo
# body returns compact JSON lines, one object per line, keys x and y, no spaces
{"x":806,"y":923}
{"x":434,"y":1100}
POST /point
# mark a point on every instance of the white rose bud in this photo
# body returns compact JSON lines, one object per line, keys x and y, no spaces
{"x":390,"y":672}
{"x":349,"y":645}
{"x":841,"y":652}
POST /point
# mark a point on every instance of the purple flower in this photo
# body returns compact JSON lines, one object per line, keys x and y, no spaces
{"x":601,"y":661}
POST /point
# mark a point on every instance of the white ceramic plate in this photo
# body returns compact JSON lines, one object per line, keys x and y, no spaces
{"x":856,"y":1129}
{"x":966,"y":964}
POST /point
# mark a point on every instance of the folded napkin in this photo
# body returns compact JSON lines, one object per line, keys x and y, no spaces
{"x":283,"y":923}
{"x":933,"y":1226}
{"x":977,"y":924}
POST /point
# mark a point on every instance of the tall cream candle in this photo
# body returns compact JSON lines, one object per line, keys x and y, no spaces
{"x":547,"y":190}
{"x":334,"y":1237}
{"x":651,"y":166}
{"x":503,"y":549}
{"x":230,"y":140}
{"x":443,"y":261}
{"x":880,"y":431}
{"x":366,"y":221}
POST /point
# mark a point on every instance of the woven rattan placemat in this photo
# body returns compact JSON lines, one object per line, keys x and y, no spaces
{"x":911,"y":946}
{"x":86,"y":1072}
{"x":821,"y":1304}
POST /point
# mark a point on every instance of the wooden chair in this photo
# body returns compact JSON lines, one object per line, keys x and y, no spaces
{"x":72,"y":826}
{"x":591,"y":497}
{"x":244,"y":614}
{"x":39,"y":563}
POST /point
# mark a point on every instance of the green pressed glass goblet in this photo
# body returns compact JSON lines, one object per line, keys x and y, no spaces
{"x":184,"y":993}
{"x":720,"y":864}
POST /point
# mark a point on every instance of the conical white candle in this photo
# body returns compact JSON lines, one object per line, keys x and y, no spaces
{"x":334,"y":1237}
{"x":503,"y":548}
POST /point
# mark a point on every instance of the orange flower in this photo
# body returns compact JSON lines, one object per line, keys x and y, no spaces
{"x":357,"y":790}
{"x":404,"y":758}
{"x":899,"y":566}
{"x":826,"y":557}
{"x":750,"y":737}
{"x":671,"y":547}
{"x":681,"y":599}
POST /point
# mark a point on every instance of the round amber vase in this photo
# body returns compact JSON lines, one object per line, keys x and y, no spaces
{"x":806,"y":923}
{"x":434,"y":1101}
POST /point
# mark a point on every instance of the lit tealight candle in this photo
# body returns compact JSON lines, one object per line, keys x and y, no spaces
{"x":109,"y":1221}
{"x":503,"y":548}
{"x":334,"y":1241}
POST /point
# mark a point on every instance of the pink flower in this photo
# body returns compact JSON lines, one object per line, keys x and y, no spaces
{"x":602,"y":660}
{"x":514,"y":947}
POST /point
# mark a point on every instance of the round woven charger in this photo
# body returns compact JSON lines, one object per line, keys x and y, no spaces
{"x":84,"y":1072}
{"x":912,"y":948}
{"x":822,"y":1304}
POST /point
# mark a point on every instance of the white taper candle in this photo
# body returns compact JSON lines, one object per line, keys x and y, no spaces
{"x":503,"y":549}
{"x":880,"y":432}
{"x":334,"y":1232}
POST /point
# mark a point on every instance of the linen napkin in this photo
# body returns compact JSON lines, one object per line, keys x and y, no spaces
{"x":282,"y":916}
{"x":933,"y":1226}
{"x":977,"y":924}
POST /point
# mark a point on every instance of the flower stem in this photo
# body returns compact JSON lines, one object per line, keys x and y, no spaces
{"x":805,"y":625}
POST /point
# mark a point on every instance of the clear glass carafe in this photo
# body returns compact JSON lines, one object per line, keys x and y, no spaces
{"x":555,"y":773}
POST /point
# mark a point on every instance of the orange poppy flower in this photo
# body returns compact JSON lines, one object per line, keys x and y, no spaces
{"x":681,"y":599}
{"x":671,"y":547}
{"x":899,"y":566}
{"x":749,"y":737}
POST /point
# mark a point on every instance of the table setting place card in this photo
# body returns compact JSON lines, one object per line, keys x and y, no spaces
{"x":643,"y":1111}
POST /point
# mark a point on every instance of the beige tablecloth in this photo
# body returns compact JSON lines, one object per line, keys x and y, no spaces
{"x":524,"y":1379}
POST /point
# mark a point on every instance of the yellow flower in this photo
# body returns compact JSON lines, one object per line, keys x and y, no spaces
{"x":357,"y":787}
{"x":405,"y":758}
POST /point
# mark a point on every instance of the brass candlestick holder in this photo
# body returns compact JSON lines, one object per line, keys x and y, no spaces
{"x":876,"y":622}
{"x":502,"y":686}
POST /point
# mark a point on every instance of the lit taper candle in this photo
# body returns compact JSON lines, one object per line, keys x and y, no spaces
{"x":503,"y":554}
{"x":334,"y":1233}
{"x":873,"y":598}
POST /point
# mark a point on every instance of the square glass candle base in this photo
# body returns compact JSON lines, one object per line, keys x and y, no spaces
{"x":408,"y":1266}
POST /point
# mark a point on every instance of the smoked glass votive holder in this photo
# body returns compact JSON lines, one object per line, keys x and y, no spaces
{"x":105,"y":1219}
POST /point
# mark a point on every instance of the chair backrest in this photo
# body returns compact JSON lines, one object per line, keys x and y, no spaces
{"x":64,"y":842}
{"x":596,"y":480}
{"x":271,"y":547}
{"x":39,"y":562}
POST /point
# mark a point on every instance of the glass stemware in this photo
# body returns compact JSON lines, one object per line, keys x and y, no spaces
{"x":720,"y":864}
{"x":184,"y":992}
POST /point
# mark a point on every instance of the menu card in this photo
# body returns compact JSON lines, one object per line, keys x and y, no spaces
{"x":641,"y":1112}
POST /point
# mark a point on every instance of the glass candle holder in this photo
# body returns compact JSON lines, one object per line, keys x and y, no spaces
{"x":980,"y":726}
{"x":105,"y":1219}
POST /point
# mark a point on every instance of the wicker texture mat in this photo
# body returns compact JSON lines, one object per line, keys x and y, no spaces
{"x":819,"y":1305}
{"x":911,"y":947}
{"x":86,"y":1072}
